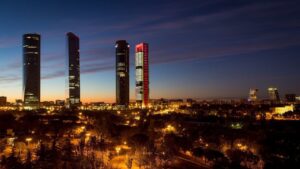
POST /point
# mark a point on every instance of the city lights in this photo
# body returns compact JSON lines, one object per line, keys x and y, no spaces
{"x":149,"y":84}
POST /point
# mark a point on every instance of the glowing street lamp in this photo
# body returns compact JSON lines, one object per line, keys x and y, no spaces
{"x":28,"y":140}
{"x":169,"y":129}
{"x":118,"y":149}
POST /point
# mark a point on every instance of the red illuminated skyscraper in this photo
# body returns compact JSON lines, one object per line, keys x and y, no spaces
{"x":142,"y":74}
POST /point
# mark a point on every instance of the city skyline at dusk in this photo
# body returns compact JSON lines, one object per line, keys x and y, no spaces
{"x":197,"y":49}
{"x":159,"y":84}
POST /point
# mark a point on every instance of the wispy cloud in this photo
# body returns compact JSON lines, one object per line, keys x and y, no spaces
{"x":52,"y":75}
{"x":9,"y":79}
{"x":235,"y":49}
{"x":223,"y":32}
{"x":8,"y":42}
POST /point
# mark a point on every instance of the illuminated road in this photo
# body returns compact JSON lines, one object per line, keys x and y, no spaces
{"x":184,"y":163}
{"x":119,"y":162}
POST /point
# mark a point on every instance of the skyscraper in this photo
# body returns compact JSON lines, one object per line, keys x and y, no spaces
{"x":142,"y":74}
{"x":73,"y":71}
{"x":273,"y":94}
{"x":122,"y":73}
{"x":290,"y":98}
{"x":3,"y":100}
{"x":31,"y":70}
{"x":253,"y":95}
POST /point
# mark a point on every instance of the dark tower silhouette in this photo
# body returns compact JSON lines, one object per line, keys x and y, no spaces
{"x":122,"y":73}
{"x":31,"y":70}
{"x":73,"y":71}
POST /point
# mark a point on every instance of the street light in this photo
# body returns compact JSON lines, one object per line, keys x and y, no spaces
{"x":28,"y":139}
{"x":118,"y":149}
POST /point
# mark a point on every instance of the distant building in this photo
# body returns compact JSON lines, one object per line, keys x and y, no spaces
{"x":159,"y":102}
{"x":59,"y":102}
{"x":31,"y":70}
{"x":252,"y":95}
{"x":290,"y":98}
{"x":298,"y":98}
{"x":142,"y":74}
{"x":73,"y":71}
{"x":283,"y":109}
{"x":273,"y":94}
{"x":47,"y":103}
{"x":191,"y":101}
{"x":19,"y":102}
{"x":3,"y":101}
{"x":122,"y":73}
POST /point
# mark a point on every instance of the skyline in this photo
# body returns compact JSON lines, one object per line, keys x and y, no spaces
{"x":73,"y":70}
{"x":233,"y":51}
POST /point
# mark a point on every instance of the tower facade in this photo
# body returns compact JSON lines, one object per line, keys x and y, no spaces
{"x":122,"y":73}
{"x":252,"y":95}
{"x":73,"y":71}
{"x":142,"y":74}
{"x":273,"y":94}
{"x":31,"y":70}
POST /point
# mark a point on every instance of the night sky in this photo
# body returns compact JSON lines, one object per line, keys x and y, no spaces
{"x":198,"y":49}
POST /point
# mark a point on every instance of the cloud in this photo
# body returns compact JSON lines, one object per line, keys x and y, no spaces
{"x":9,"y":79}
{"x":233,"y":49}
{"x":53,"y":75}
{"x":52,"y":57}
{"x":8,"y":42}
{"x":86,"y":68}
{"x":97,"y":68}
{"x":217,"y":31}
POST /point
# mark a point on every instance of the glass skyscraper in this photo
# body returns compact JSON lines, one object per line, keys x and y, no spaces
{"x":273,"y":94}
{"x":73,"y":71}
{"x":142,"y":74}
{"x":31,"y":70}
{"x":122,"y":73}
{"x":253,"y":95}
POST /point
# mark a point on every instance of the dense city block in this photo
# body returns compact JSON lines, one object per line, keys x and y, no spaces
{"x":171,"y":134}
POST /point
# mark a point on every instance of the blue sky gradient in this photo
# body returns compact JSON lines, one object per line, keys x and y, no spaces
{"x":198,"y":49}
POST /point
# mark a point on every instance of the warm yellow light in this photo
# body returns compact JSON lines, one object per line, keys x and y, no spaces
{"x":188,"y":153}
{"x":282,"y":110}
{"x":169,"y":129}
{"x":118,"y":149}
{"x":28,"y":139}
{"x":137,"y":117}
{"x":242,"y":147}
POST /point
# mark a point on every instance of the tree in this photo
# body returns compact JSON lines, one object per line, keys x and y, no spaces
{"x":129,"y":163}
{"x":28,"y":163}
{"x":13,"y":162}
{"x":41,"y":153}
{"x":3,"y":161}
